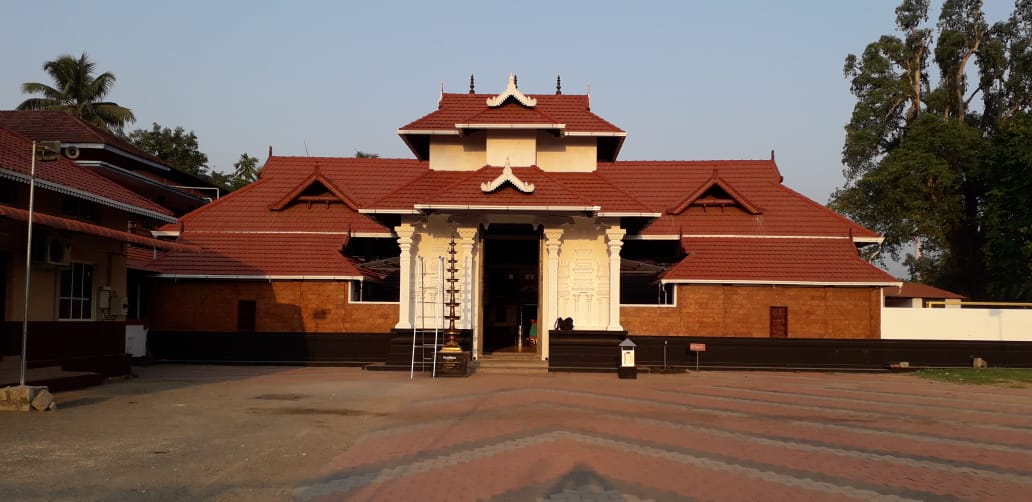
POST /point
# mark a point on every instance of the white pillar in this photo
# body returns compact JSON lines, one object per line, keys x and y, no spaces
{"x":405,"y":232}
{"x":614,"y":237}
{"x":551,"y":296}
{"x":466,"y":240}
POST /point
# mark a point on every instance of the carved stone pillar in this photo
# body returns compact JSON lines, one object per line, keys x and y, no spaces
{"x":614,"y":237}
{"x":551,"y":296}
{"x":405,"y":232}
{"x":466,"y":240}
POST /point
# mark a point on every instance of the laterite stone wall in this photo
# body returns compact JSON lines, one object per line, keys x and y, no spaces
{"x":744,"y":311}
{"x":281,"y":306}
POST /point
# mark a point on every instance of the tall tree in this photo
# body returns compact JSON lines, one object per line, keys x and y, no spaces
{"x":922,"y":164}
{"x":175,"y":146}
{"x":245,"y":171}
{"x":77,"y":90}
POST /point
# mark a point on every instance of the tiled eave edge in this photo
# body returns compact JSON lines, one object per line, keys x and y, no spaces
{"x":756,"y":282}
{"x":263,"y":277}
{"x":856,"y":240}
{"x":74,"y":192}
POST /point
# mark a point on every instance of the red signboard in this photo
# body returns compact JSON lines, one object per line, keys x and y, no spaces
{"x":697,"y":347}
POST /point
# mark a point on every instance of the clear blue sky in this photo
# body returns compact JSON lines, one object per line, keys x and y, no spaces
{"x":686,"y":80}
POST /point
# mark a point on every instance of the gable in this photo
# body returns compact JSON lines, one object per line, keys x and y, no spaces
{"x":316,"y":189}
{"x":716,"y":193}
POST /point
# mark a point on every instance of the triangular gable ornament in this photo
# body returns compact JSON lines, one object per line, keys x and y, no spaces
{"x":511,"y":92}
{"x":507,"y":176}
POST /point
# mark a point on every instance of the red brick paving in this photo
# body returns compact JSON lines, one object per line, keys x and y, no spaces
{"x":702,"y":436}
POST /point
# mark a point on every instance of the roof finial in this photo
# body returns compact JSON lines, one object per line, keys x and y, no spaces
{"x":472,"y":88}
{"x":558,"y":85}
{"x":270,"y":150}
{"x":440,"y":97}
{"x":515,"y":80}
{"x":772,"y":155}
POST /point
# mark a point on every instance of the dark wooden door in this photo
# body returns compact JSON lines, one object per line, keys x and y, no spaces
{"x":779,"y":322}
{"x":247,"y":311}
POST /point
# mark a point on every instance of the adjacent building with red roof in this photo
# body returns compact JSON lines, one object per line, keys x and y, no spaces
{"x":84,"y":227}
{"x":516,"y":208}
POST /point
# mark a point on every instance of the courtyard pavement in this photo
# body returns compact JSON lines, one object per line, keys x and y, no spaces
{"x":261,"y":433}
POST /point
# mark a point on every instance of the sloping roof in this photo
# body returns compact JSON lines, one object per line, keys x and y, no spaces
{"x":64,"y":176}
{"x":573,"y":110}
{"x":63,"y":126}
{"x":662,"y":185}
{"x":455,"y":189}
{"x":918,"y":290}
{"x":774,"y":261}
{"x":362,"y":181}
{"x":261,"y":256}
{"x":570,"y":113}
{"x":82,"y":227}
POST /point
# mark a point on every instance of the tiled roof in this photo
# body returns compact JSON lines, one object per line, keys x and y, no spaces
{"x":138,"y":258}
{"x":361,"y":180}
{"x":261,"y":216}
{"x":81,"y":227}
{"x":663,"y":185}
{"x":463,"y":188}
{"x":261,"y":255}
{"x":573,"y":110}
{"x":71,"y":178}
{"x":67,"y":128}
{"x":774,"y":260}
{"x":918,"y":290}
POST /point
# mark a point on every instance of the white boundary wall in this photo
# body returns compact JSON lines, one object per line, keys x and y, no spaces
{"x":1010,"y":325}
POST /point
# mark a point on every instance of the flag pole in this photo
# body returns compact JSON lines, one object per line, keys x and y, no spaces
{"x":28,"y":267}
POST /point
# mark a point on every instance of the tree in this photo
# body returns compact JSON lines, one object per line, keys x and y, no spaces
{"x":359,"y":154}
{"x":924,"y":166}
{"x":175,"y":146}
{"x":78,"y":91}
{"x":246,"y":171}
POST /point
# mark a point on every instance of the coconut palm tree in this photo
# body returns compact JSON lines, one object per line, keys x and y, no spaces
{"x":78,"y":91}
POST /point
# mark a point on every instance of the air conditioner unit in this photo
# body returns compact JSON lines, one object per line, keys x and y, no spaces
{"x":72,"y":152}
{"x":58,"y":252}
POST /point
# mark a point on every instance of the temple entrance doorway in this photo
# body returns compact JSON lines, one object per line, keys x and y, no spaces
{"x":512,"y":259}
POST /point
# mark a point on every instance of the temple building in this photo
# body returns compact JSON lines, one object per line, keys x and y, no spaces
{"x":527,"y":194}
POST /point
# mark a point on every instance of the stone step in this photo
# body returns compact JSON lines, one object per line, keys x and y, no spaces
{"x":512,"y":363}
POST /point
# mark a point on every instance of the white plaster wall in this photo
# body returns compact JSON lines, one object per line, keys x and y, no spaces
{"x":454,"y":153}
{"x":429,"y":291}
{"x":584,"y":276}
{"x":556,"y":154}
{"x":518,"y":147}
{"x":956,"y":324}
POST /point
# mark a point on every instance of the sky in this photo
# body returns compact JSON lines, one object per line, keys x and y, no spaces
{"x":687,"y":80}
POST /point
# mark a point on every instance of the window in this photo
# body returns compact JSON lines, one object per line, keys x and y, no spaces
{"x":75,"y":300}
{"x":387,"y":290}
{"x":8,"y":195}
{"x":80,"y":209}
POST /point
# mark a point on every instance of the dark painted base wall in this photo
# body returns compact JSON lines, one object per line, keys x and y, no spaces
{"x":269,"y":348}
{"x":94,"y":346}
{"x":599,"y":352}
{"x":591,"y":351}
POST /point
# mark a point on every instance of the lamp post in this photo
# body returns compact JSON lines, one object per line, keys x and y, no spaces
{"x":46,"y":151}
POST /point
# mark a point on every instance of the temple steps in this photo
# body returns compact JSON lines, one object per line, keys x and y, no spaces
{"x":522,"y":363}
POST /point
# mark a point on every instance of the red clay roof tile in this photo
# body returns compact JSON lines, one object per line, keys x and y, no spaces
{"x":15,"y":155}
{"x":774,"y":260}
{"x":261,"y":255}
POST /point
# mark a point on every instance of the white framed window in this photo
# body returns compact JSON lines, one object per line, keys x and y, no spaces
{"x":75,"y":293}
